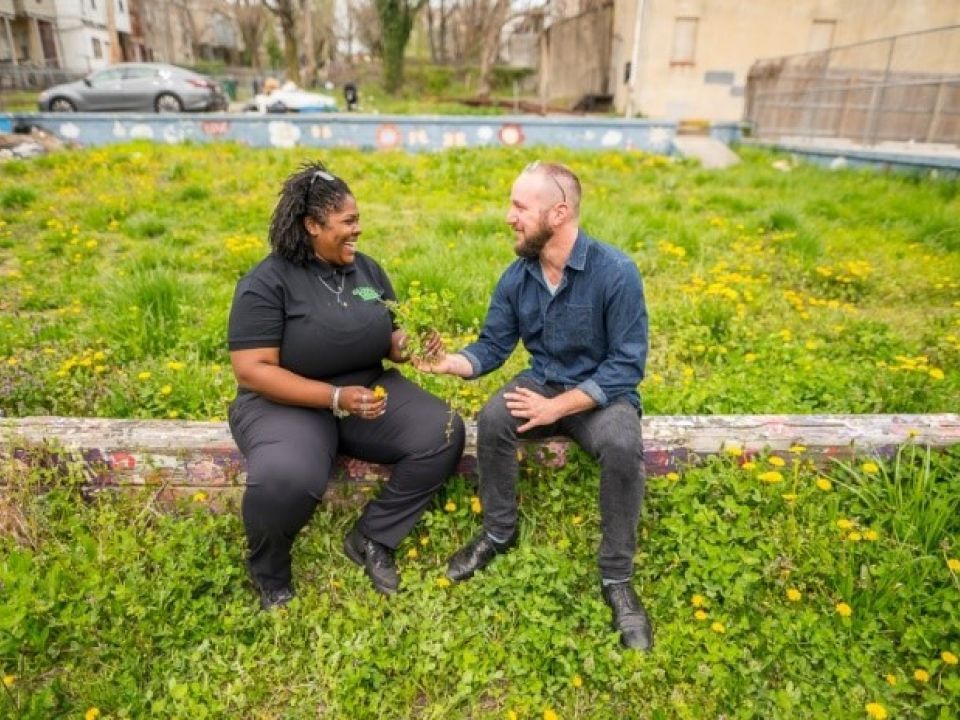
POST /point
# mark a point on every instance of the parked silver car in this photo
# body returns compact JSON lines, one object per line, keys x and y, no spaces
{"x":136,"y":87}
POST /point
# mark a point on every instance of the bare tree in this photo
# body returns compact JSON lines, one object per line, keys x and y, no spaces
{"x":252,"y":23}
{"x":286,"y":12}
{"x":367,"y":24}
{"x":492,"y":27}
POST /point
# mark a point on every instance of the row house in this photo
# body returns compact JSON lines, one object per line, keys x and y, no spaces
{"x":41,"y":39}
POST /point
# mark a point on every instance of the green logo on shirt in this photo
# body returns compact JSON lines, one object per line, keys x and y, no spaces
{"x":367,"y":293}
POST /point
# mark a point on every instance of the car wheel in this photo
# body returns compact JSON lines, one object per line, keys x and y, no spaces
{"x":167,"y":103}
{"x":61,"y":104}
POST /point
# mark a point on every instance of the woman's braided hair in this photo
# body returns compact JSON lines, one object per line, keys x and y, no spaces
{"x":314,"y":192}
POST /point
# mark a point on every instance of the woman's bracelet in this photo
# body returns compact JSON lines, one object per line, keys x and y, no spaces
{"x":335,"y":405}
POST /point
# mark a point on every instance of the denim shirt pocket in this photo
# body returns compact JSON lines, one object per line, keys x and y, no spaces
{"x":577,"y":331}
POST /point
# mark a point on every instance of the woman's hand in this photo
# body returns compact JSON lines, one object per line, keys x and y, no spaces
{"x":398,"y":347}
{"x":362,"y":402}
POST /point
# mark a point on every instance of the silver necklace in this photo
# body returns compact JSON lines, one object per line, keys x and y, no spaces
{"x":336,"y":292}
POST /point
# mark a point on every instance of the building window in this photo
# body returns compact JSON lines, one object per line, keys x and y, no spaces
{"x":97,"y":48}
{"x":821,"y":35}
{"x":120,"y":5}
{"x":684,"y":41}
{"x":93,"y":4}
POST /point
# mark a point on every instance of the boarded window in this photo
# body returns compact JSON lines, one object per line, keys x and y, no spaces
{"x":684,"y":41}
{"x":821,"y":35}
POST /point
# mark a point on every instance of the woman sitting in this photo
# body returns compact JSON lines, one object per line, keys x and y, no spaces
{"x":308,"y":335}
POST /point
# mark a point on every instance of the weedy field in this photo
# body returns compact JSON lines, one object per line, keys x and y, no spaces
{"x":776,"y":590}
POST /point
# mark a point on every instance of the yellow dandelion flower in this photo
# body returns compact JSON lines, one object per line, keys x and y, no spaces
{"x":954,"y":564}
{"x":512,"y":715}
{"x":749,"y":465}
{"x":824,"y":484}
{"x":700,"y":615}
{"x":576,"y":681}
{"x":451,"y":506}
{"x":173,"y":414}
{"x":854,"y":536}
{"x":844,"y":524}
{"x":166,"y":390}
{"x":9,"y":680}
{"x":698,"y":601}
{"x":576,"y":520}
{"x":871,"y":535}
{"x":145,"y":375}
{"x":844,"y":610}
{"x":948,"y":657}
{"x":443,"y":582}
{"x":476,"y":507}
{"x":733,"y":451}
{"x":425,"y":540}
{"x":890,"y":679}
{"x":379,"y":392}
{"x":790,"y":497}
{"x":199,"y":497}
{"x":549,"y":714}
{"x":412,"y":554}
{"x":672,"y":476}
{"x":750,"y":357}
{"x":771,"y":477}
{"x":91,"y":714}
{"x":176,"y":365}
{"x":797,"y":449}
{"x":776,"y":461}
{"x":876,"y":711}
{"x":719,"y":628}
{"x":936,"y":373}
{"x":794,"y":595}
{"x":921,"y":675}
{"x":870,"y":468}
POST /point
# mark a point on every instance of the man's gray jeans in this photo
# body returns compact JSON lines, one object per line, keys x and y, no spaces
{"x":612,"y":435}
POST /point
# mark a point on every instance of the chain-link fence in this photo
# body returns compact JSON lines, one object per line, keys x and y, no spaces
{"x":901,"y":88}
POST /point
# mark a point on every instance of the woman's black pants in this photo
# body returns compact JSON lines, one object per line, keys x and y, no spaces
{"x":290,"y":453}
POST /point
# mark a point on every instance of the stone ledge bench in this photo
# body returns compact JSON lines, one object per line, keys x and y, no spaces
{"x":181,"y":458}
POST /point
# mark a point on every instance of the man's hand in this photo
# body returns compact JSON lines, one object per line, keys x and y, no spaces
{"x":536,"y":409}
{"x":443,"y":363}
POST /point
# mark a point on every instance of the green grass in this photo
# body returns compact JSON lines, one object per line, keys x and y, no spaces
{"x":806,"y":291}
{"x":110,"y":604}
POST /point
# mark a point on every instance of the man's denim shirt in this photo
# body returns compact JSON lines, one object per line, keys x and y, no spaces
{"x":591,"y":335}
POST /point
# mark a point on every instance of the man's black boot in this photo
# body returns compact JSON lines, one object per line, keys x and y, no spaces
{"x":629,"y":617}
{"x":375,"y":558}
{"x":476,"y":555}
{"x":271,"y":599}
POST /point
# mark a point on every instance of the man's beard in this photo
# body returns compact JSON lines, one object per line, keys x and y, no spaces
{"x":529,"y":247}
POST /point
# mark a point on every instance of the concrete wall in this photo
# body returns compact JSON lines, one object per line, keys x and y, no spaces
{"x":732,"y":34}
{"x":574,"y":56}
{"x":377,"y":132}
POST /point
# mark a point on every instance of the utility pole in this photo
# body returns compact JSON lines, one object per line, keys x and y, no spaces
{"x":634,"y":61}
